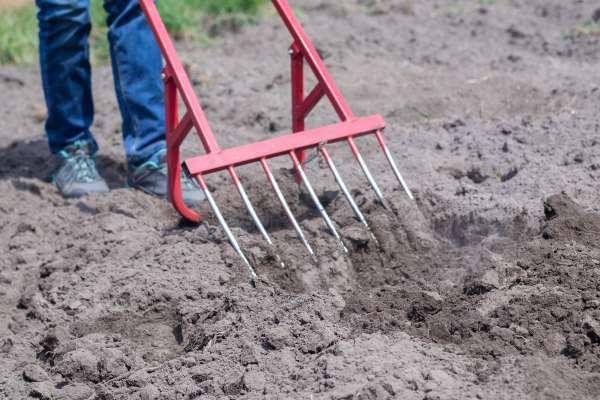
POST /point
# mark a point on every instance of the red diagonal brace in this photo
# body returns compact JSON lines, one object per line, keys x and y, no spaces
{"x":183,"y":128}
{"x":311,"y":101}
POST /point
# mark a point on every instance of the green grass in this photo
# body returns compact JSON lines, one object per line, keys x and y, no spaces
{"x":185,"y":19}
{"x":586,"y":28}
{"x":18,"y":35}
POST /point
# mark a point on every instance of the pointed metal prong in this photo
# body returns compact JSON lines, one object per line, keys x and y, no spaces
{"x":316,"y":200}
{"x":347,"y":194}
{"x":365,"y":169}
{"x":230,"y":236}
{"x":287,"y":209}
{"x":252,"y":211}
{"x":388,"y":155}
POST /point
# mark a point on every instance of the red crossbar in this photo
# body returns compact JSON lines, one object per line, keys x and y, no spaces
{"x":223,"y":159}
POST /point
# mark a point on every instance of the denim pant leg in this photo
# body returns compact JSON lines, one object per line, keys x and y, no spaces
{"x":137,"y":65}
{"x":66,"y":75}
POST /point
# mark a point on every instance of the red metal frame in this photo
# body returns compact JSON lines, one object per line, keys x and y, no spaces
{"x":178,"y":84}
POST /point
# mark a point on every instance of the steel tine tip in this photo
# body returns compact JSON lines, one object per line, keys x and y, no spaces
{"x":317,"y":202}
{"x":346,"y":192}
{"x":392,"y":162}
{"x":367,"y":172}
{"x":252,"y":211}
{"x":287,"y":209}
{"x":232,"y":240}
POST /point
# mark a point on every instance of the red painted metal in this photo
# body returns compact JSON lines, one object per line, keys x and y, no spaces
{"x":177,"y":84}
{"x":173,"y":142}
{"x":281,"y":145}
{"x":298,"y":114}
{"x":304,"y":45}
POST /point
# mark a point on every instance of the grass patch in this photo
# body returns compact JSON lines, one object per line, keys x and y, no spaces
{"x":18,"y":35}
{"x":586,"y":28}
{"x":185,"y":19}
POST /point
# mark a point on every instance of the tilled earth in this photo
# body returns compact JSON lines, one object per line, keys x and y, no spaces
{"x":485,"y":287}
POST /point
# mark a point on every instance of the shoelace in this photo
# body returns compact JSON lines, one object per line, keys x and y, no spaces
{"x":84,"y":167}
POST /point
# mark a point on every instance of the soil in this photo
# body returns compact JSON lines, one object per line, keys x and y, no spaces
{"x":484,"y":287}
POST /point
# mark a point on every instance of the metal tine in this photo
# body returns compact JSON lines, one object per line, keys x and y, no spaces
{"x":316,"y":200}
{"x":230,"y":236}
{"x":287,"y":208}
{"x":252,"y":211}
{"x":367,"y":173}
{"x":388,"y":155}
{"x":347,"y":193}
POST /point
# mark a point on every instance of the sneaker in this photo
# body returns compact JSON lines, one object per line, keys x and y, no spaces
{"x":77,"y":175}
{"x":151,"y":178}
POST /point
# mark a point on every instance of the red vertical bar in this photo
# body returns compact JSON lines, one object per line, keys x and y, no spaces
{"x":305,"y":45}
{"x":173,"y":162}
{"x":171,"y":108}
{"x":298,"y":117}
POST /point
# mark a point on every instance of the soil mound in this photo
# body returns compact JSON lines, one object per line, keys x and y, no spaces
{"x":486,"y":286}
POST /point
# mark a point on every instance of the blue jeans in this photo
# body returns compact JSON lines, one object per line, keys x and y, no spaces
{"x":66,"y":75}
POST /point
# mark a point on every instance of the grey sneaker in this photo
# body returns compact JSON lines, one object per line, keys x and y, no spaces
{"x":78,"y":176}
{"x":152,"y":179}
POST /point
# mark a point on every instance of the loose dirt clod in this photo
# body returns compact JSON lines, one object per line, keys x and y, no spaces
{"x":490,"y":294}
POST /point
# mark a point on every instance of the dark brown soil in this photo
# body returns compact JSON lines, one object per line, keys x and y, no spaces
{"x":485,"y":287}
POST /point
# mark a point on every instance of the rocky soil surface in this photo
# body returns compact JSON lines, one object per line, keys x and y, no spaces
{"x":485,"y":287}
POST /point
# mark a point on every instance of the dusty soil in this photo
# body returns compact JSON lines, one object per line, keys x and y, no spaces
{"x":486,"y":287}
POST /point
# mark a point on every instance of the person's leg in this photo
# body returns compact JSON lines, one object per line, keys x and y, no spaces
{"x":137,"y":65}
{"x":66,"y":75}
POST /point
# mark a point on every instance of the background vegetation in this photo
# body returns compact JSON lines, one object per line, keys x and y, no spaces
{"x":185,"y":19}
